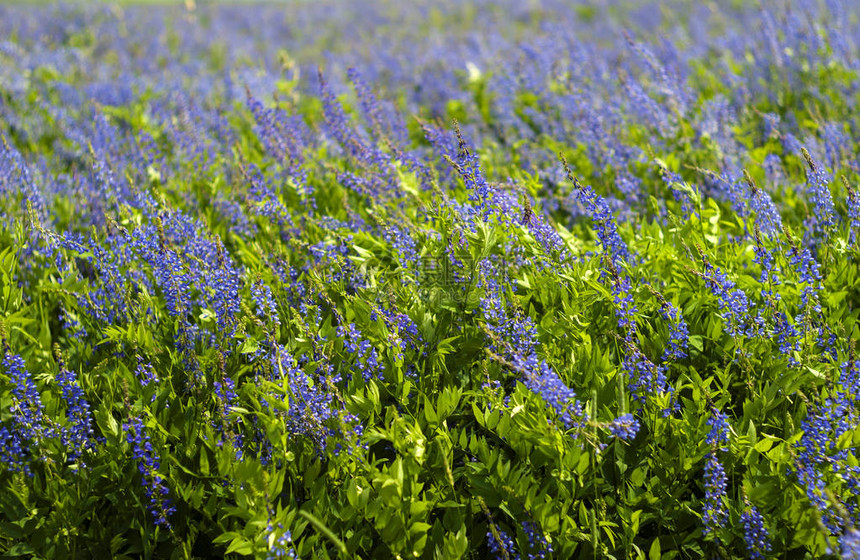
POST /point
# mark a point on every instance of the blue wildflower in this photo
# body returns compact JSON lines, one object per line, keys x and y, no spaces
{"x":542,"y":380}
{"x":602,"y":219}
{"x":502,"y":547}
{"x":678,"y":332}
{"x":261,"y":295}
{"x":154,"y":484}
{"x":469,"y":168}
{"x":755,"y":533}
{"x":719,"y":432}
{"x":625,"y":306}
{"x":539,"y":547}
{"x":735,"y":306}
{"x":767,"y":218}
{"x":282,"y":547}
{"x":853,"y":203}
{"x":624,"y":427}
{"x":367,"y":360}
{"x":714,"y":514}
{"x":144,"y":372}
{"x":644,"y":377}
{"x":78,"y":436}
{"x":849,"y":544}
{"x":817,"y":188}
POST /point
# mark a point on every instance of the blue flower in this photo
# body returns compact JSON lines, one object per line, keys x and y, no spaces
{"x":78,"y":436}
{"x":261,"y":295}
{"x":366,"y":357}
{"x":678,"y":333}
{"x":853,"y":203}
{"x":849,"y":544}
{"x":736,"y":309}
{"x":603,"y":221}
{"x":817,"y":182}
{"x":504,"y":550}
{"x":755,"y":533}
{"x":27,"y":408}
{"x":539,"y":547}
{"x":624,"y":427}
{"x":719,"y":432}
{"x":767,"y":218}
{"x":817,"y":456}
{"x":481,"y":195}
{"x":29,"y":424}
{"x":282,"y":547}
{"x":154,"y":484}
{"x":145,"y":373}
{"x":625,"y":306}
{"x":714,"y":514}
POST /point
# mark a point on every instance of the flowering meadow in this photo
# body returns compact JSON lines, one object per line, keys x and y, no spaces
{"x":496,"y":279}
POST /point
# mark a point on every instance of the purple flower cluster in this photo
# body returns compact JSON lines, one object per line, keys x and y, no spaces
{"x":715,"y":514}
{"x":27,"y":408}
{"x":404,"y":245}
{"x":644,"y":377}
{"x":504,"y":550}
{"x":331,"y":259}
{"x":14,"y":450}
{"x":403,"y":332}
{"x":282,"y":547}
{"x":787,"y":338}
{"x":818,"y":459}
{"x":719,"y":429}
{"x":730,"y":187}
{"x":174,"y":280}
{"x":543,"y":381}
{"x":678,"y":333}
{"x":515,"y":337}
{"x":226,"y":396}
{"x":366,"y":357}
{"x":624,"y":427}
{"x":267,"y":308}
{"x":544,"y":233}
{"x":603,"y":221}
{"x":145,"y":373}
{"x":154,"y":484}
{"x":29,"y":424}
{"x":767,"y":218}
{"x":481,"y":195}
{"x":807,"y":269}
{"x":78,"y":435}
{"x":769,"y":278}
{"x":313,"y":410}
{"x":625,"y":307}
{"x":519,"y":332}
{"x":283,"y":136}
{"x":849,"y":545}
{"x":853,"y":203}
{"x":817,"y":188}
{"x":677,"y":186}
{"x":736,"y":309}
{"x":755,"y":534}
{"x":538,"y":545}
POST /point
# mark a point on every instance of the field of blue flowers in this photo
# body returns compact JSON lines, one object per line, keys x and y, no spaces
{"x":495,"y":279}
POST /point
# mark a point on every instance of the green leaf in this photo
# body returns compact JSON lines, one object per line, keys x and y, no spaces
{"x":320,"y":526}
{"x":250,"y":346}
{"x":240,"y":546}
{"x":654,"y":551}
